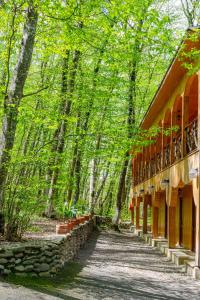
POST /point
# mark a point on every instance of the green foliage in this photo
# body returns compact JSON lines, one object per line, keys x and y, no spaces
{"x":111,"y":37}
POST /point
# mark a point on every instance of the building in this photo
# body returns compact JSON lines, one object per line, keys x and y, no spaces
{"x":166,"y":173}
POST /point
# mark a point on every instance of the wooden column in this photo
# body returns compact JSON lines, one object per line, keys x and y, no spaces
{"x":137,"y":217}
{"x":155,"y":212}
{"x":132,"y":215}
{"x":139,"y":199}
{"x":197,"y":254}
{"x":147,"y":201}
{"x":155,"y":221}
{"x":171,"y":226}
{"x":145,"y":217}
{"x":171,"y":230}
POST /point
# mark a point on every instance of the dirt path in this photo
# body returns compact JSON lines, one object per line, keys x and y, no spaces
{"x":120,"y":266}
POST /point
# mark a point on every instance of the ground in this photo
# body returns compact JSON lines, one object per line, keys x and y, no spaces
{"x":111,"y":266}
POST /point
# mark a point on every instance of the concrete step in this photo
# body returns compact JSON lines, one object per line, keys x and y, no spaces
{"x":139,"y":232}
{"x":163,"y":246}
{"x":155,"y":242}
{"x":180,"y":258}
{"x":147,"y":237}
{"x":190,"y":269}
{"x":170,"y":251}
{"x":132,"y":228}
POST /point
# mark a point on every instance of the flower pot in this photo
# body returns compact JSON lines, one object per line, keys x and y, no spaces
{"x":71,"y":225}
{"x":81,"y":220}
{"x":74,"y":222}
{"x":62,"y":228}
{"x":87,"y":217}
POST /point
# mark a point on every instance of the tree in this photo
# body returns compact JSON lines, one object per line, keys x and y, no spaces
{"x":14,"y":94}
{"x":191,"y":9}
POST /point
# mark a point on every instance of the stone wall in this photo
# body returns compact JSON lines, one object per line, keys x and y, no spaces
{"x":103,"y":220}
{"x":43,"y":257}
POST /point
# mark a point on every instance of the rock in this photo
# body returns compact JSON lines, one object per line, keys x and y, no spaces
{"x":19,"y":255}
{"x":43,"y":259}
{"x":10,"y":266}
{"x":43,"y":268}
{"x":21,"y":274}
{"x":6,"y":272}
{"x":19,"y":250}
{"x":45,"y":247}
{"x":29,"y":262}
{"x":31,"y":251}
{"x":54,"y":270}
{"x":18,"y":261}
{"x":36,"y":265}
{"x":7,"y":253}
{"x":48,"y":253}
{"x":3,"y":261}
{"x":20,"y":268}
{"x":44,"y":274}
{"x":29,"y":268}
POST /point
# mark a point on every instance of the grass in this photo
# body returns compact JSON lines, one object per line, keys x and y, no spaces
{"x":51,"y":285}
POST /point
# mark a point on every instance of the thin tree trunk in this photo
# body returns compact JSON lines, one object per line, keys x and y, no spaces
{"x":15,"y":94}
{"x":59,"y":136}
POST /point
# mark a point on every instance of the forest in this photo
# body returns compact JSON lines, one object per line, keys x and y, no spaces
{"x":76,"y":78}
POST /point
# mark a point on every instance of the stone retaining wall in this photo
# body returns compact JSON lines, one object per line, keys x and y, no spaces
{"x":43,"y":257}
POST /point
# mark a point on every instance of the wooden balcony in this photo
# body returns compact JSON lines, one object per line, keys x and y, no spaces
{"x":171,"y":153}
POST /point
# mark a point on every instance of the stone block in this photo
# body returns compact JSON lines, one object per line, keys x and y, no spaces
{"x":43,"y":267}
{"x":20,"y":268}
{"x":6,"y":272}
{"x":29,"y":268}
{"x":44,"y":274}
{"x":6,"y":254}
{"x":3,"y":261}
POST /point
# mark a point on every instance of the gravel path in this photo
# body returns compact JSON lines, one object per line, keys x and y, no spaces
{"x":15,"y":292}
{"x":120,"y":266}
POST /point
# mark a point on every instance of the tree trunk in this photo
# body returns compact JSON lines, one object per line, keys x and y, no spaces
{"x":130,"y":124}
{"x":59,"y":136}
{"x":15,"y":94}
{"x":121,"y":185}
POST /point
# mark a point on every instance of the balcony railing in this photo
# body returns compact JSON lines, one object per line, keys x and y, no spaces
{"x":172,"y":152}
{"x":153,"y":166}
{"x":177,"y":147}
{"x":191,"y":136}
{"x":158,"y":162}
{"x":166,"y":156}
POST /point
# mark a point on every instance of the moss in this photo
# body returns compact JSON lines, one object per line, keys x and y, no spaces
{"x":51,"y":285}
